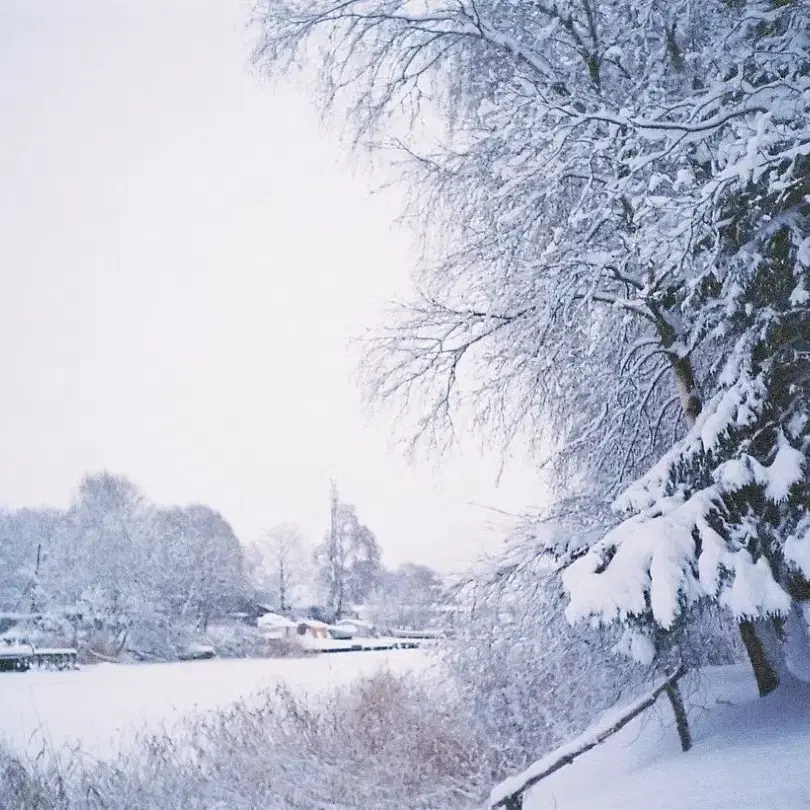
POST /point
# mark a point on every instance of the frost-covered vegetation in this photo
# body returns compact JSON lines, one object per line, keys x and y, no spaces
{"x":613,"y":205}
{"x":284,"y":753}
{"x":388,"y":741}
{"x":116,"y":573}
{"x":613,"y":200}
{"x":530,"y":678}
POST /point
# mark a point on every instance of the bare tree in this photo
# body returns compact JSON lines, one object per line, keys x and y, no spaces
{"x":524,"y":280}
{"x":279,"y":563}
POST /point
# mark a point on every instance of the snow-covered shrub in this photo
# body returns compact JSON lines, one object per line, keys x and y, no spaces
{"x":387,"y":742}
{"x":154,"y":636}
{"x":528,"y":678}
{"x":407,"y":732}
{"x":532,"y":679}
{"x":30,"y":785}
{"x":237,"y":640}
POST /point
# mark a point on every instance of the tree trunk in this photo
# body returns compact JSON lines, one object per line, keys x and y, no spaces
{"x":679,"y":710}
{"x":119,"y":647}
{"x":797,"y":642}
{"x":339,"y":600}
{"x":282,"y":586}
{"x":691,"y":404}
{"x":763,"y":647}
{"x":35,"y":582}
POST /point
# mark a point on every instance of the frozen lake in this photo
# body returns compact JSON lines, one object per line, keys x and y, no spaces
{"x":102,"y":707}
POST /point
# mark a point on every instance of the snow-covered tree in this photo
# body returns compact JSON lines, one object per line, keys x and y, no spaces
{"x":348,"y":566}
{"x":279,"y":564}
{"x":534,"y":263}
{"x":27,"y":538}
{"x":407,"y":597}
{"x":203,"y":563}
{"x":126,"y":572}
{"x":613,"y":198}
{"x":101,"y":552}
{"x":725,"y":515}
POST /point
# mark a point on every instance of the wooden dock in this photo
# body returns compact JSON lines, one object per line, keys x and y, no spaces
{"x":332,"y":645}
{"x":23,"y":658}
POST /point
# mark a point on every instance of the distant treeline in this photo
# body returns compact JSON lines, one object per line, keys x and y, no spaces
{"x":116,"y":573}
{"x":116,"y":566}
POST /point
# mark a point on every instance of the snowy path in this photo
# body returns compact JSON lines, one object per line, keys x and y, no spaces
{"x":101,"y":707}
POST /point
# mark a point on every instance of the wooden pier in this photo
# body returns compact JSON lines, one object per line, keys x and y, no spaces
{"x":23,"y":658}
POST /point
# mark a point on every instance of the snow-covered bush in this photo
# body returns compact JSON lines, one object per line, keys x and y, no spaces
{"x":528,"y":678}
{"x":235,"y":640}
{"x":388,"y":742}
{"x":25,"y":784}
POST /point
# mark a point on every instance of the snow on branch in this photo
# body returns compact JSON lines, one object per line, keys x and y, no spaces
{"x":509,"y":793}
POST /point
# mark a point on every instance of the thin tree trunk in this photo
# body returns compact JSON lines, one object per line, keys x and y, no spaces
{"x":282,"y":586}
{"x":339,"y":605}
{"x":119,"y":648}
{"x":335,"y":599}
{"x":691,"y":404}
{"x":679,"y":710}
{"x":35,"y":581}
{"x":681,"y":364}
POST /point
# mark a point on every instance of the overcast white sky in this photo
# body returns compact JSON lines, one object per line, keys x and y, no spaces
{"x":184,"y":253}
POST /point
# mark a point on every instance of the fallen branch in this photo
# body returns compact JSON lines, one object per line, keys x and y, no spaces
{"x":509,"y":793}
{"x":101,"y":657}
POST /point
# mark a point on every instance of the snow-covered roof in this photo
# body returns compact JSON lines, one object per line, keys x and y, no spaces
{"x":275,"y":620}
{"x":353,"y":623}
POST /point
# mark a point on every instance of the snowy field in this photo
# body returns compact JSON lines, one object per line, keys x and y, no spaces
{"x":102,"y":707}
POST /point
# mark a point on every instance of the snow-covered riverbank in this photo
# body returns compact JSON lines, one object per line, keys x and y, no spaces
{"x":749,"y":753}
{"x":102,"y":707}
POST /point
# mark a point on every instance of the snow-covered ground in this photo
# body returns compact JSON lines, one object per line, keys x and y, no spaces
{"x":749,"y":754}
{"x":102,"y":707}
